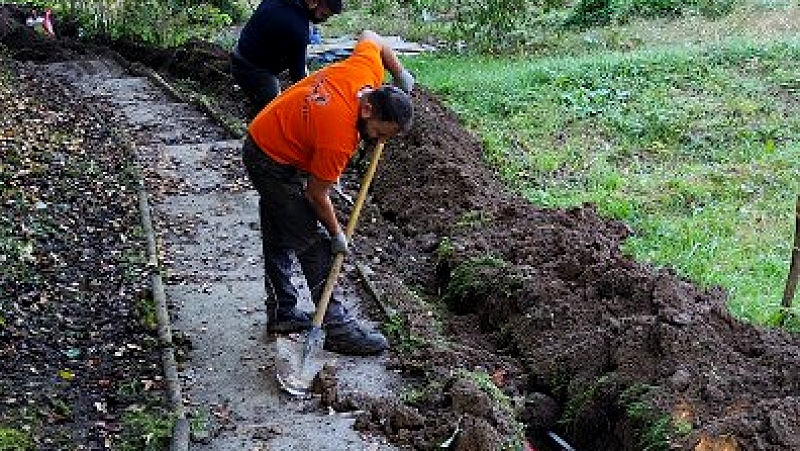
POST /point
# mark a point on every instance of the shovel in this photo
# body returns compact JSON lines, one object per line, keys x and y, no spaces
{"x":296,"y":368}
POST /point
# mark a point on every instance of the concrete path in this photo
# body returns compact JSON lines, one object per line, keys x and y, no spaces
{"x":205,"y":220}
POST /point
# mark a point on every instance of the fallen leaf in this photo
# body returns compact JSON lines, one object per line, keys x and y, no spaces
{"x":67,"y":375}
{"x":499,"y":377}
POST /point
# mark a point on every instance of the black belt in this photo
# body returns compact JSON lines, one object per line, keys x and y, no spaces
{"x":258,"y":152}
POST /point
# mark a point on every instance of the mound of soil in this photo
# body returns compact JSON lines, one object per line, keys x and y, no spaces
{"x":634,"y":355}
{"x":611,"y":353}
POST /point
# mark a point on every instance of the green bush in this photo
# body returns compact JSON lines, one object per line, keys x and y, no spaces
{"x":590,"y":13}
{"x":159,"y":22}
{"x":207,"y":15}
{"x":715,"y":8}
{"x":234,"y":10}
{"x":490,"y":25}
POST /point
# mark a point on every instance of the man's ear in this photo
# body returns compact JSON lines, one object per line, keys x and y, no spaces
{"x":365,"y":109}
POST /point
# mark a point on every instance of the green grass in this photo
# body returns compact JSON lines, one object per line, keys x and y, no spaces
{"x":148,"y":313}
{"x":697,"y":148}
{"x":468,"y":283}
{"x":146,"y":430}
{"x":659,"y":429}
{"x":15,"y":440}
{"x":389,"y":19}
{"x":397,"y":328}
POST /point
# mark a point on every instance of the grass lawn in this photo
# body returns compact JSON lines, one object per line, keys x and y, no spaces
{"x":688,"y":130}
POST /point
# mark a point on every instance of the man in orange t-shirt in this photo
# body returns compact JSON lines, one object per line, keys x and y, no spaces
{"x":296,"y":150}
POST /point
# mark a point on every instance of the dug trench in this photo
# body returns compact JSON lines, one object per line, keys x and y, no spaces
{"x":513,"y":321}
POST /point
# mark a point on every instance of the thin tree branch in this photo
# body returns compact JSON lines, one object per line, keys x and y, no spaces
{"x":794,"y":267}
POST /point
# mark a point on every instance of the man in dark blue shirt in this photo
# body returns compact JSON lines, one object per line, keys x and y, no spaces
{"x":274,"y":39}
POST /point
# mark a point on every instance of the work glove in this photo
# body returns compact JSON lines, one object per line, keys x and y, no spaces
{"x":339,"y":243}
{"x":404,"y":81}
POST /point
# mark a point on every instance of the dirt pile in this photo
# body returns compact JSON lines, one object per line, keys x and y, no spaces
{"x":634,"y":355}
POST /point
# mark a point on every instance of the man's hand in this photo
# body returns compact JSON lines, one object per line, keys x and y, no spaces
{"x":339,"y":243}
{"x":404,"y":81}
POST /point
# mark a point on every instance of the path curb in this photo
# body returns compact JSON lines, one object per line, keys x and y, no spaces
{"x":235,"y":130}
{"x":181,"y":430}
{"x":180,"y":434}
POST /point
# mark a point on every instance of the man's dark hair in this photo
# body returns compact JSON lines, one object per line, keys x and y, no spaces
{"x":334,"y":5}
{"x":391,"y":104}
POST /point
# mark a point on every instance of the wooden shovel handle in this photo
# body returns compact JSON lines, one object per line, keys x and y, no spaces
{"x":338,"y":260}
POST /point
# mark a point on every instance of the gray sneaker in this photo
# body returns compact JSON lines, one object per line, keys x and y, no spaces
{"x":287,"y":322}
{"x":353,"y":338}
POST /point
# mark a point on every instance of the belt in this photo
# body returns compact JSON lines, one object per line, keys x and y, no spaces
{"x":266,"y":158}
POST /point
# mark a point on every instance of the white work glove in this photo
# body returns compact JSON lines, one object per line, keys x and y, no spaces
{"x":339,"y":243}
{"x":404,"y":81}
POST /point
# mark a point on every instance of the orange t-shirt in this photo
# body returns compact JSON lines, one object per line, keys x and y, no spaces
{"x":312,"y":125}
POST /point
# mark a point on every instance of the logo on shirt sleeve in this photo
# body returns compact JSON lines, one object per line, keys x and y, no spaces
{"x":319,"y":92}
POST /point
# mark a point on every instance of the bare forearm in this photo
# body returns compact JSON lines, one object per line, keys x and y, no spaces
{"x":326,"y":214}
{"x":317,"y":193}
{"x":388,"y":55}
{"x":391,"y":62}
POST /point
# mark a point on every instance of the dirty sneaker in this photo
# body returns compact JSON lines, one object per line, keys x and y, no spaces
{"x":353,"y":338}
{"x":287,"y":322}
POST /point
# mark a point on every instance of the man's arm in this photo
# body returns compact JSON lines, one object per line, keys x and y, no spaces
{"x":401,"y":76}
{"x":297,"y":63}
{"x":317,"y":193}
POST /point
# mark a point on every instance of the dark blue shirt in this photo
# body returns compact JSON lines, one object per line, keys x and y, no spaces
{"x":275,"y":37}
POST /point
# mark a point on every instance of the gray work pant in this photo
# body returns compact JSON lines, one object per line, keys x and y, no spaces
{"x":289,"y":225}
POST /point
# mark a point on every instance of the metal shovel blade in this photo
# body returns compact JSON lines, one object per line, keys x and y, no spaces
{"x":298,"y":361}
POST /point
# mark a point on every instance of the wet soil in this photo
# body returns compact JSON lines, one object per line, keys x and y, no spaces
{"x":511,"y":312}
